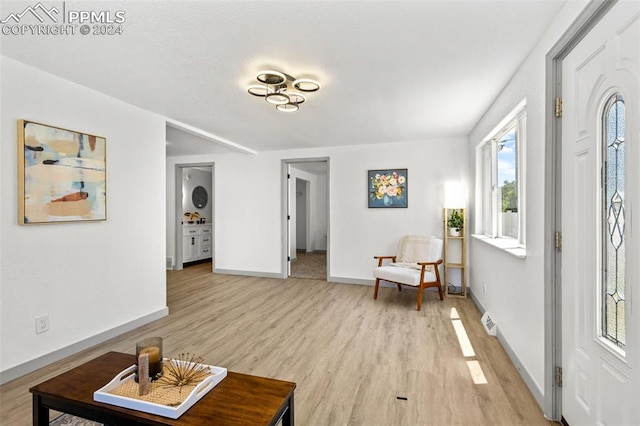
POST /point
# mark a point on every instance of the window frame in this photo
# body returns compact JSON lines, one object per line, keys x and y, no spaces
{"x":487,"y":227}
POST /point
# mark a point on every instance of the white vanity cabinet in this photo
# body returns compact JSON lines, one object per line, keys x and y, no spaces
{"x":196,"y":242}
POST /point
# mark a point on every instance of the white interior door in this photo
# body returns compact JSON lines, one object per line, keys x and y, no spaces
{"x":600,"y":251}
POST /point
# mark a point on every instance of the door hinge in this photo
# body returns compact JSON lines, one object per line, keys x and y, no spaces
{"x":558,"y":240}
{"x":559,"y":376}
{"x":288,"y":176}
{"x":558,"y":106}
{"x":288,"y":258}
{"x":288,"y":217}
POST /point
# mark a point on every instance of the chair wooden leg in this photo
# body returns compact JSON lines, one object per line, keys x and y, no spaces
{"x":419,"y":297}
{"x":440,"y":291}
{"x":375,"y":291}
{"x":399,"y":287}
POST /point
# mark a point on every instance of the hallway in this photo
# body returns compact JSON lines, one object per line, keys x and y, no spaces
{"x":310,"y":265}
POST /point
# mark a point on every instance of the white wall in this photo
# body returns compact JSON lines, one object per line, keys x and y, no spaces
{"x":515,"y":287}
{"x":248,"y":233}
{"x":89,"y":278}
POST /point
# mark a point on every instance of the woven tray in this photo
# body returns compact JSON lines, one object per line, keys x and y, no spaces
{"x":167,"y":402}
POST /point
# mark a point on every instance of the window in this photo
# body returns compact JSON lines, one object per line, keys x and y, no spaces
{"x":613,"y":224}
{"x":501,"y":176}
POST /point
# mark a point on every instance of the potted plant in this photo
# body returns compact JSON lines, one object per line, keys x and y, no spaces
{"x":455,"y":223}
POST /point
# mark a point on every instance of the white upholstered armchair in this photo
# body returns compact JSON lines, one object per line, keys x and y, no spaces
{"x":415,"y":264}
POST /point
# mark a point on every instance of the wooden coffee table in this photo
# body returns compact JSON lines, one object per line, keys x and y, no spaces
{"x":240,"y":399}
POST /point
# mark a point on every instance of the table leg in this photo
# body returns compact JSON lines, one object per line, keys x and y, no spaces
{"x":287,"y":419}
{"x":40,"y":412}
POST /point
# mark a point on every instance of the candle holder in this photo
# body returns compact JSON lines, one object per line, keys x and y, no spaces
{"x":152,"y":347}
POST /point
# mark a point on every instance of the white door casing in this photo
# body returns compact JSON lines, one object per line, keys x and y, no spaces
{"x":290,"y":193}
{"x":598,"y":378}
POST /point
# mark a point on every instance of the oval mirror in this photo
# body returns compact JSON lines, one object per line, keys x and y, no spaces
{"x":199,"y":197}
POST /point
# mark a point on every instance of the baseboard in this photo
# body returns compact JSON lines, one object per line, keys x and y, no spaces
{"x":331,"y":279}
{"x":524,"y":373}
{"x":359,"y":281}
{"x":248,"y":273}
{"x":344,"y":280}
{"x":196,"y":262}
{"x":475,"y":300}
{"x":31,"y":366}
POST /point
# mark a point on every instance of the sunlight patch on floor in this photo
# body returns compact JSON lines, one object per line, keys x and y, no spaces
{"x":475,"y":370}
{"x":477,"y":375}
{"x":463,"y":339}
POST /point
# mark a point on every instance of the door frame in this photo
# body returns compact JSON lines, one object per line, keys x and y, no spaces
{"x":178,"y":263}
{"x":286,"y":163}
{"x":588,"y":18}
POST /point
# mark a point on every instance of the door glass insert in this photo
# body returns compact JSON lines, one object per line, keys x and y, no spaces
{"x":613,"y":244}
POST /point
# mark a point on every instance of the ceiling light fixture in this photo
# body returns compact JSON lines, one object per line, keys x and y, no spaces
{"x":277,"y":98}
{"x":283,"y":90}
{"x":288,"y":107}
{"x":306,"y":85}
{"x":271,"y":77}
{"x":259,"y":90}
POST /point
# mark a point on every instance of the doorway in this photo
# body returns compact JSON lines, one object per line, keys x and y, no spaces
{"x":307,"y":218}
{"x":595,"y":353}
{"x":195,"y":214}
{"x":600,"y":128}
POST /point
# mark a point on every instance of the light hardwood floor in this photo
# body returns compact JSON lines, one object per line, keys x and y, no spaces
{"x":351,"y":356}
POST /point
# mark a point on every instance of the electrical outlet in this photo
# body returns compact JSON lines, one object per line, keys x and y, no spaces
{"x":42,"y":324}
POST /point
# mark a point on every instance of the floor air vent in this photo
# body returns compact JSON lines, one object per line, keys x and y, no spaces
{"x":489,"y":324}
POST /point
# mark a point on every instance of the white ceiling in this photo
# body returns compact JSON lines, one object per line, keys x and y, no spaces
{"x":391,"y":71}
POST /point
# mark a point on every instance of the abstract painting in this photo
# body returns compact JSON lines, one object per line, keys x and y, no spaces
{"x":388,"y":188}
{"x":62,"y":175}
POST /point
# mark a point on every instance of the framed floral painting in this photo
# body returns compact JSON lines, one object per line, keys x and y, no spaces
{"x":388,"y":188}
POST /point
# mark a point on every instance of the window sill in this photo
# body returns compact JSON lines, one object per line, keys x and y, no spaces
{"x":507,"y":245}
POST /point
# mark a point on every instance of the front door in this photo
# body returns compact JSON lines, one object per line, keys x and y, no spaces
{"x":600,"y":250}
